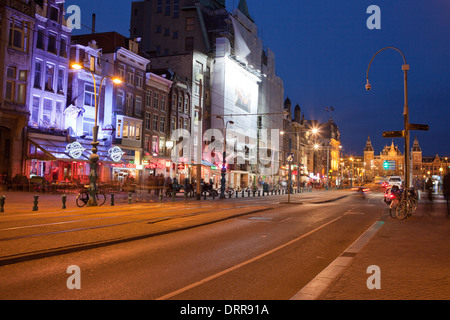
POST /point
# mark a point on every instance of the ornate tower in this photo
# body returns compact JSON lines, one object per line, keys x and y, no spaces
{"x":369,"y":156}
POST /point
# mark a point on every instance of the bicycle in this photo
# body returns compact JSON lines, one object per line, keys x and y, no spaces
{"x":83,"y":198}
{"x":407,"y":204}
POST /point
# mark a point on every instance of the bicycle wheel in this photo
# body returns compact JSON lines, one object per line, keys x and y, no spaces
{"x":101,"y":198}
{"x":392,"y":207}
{"x":402,"y":209}
{"x":82,"y":199}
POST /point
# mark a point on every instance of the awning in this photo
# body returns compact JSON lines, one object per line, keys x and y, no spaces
{"x":46,"y":149}
{"x":208,"y":164}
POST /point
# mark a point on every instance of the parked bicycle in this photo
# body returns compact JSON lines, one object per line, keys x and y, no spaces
{"x":407,"y":204}
{"x":83,"y":198}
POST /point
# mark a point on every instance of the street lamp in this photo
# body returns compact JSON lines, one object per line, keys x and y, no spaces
{"x":405,"y":68}
{"x":94,"y":157}
{"x":223,"y":171}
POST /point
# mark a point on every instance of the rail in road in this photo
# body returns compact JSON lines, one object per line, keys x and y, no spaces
{"x":29,"y":236}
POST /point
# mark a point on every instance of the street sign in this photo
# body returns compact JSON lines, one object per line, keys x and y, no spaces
{"x":393,"y":134}
{"x":420,"y":127}
{"x":290,"y":157}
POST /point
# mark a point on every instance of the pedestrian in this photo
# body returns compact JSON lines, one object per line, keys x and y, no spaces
{"x":446,"y":191}
{"x":429,"y":189}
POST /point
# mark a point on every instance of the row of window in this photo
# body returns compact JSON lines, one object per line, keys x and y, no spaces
{"x":130,"y":76}
{"x":168,"y":7}
{"x":46,"y":77}
{"x":51,"y":42}
{"x":46,"y":113}
{"x":155,"y":144}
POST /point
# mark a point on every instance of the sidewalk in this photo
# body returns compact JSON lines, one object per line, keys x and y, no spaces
{"x":413,"y":256}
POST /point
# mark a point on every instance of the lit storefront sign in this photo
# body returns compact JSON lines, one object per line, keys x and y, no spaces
{"x":75,"y":149}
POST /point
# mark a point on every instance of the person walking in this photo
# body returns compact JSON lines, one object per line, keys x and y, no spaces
{"x":446,"y":191}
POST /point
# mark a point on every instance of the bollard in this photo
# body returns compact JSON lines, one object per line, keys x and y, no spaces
{"x":243,"y":193}
{"x":112,"y":199}
{"x":204,"y":196}
{"x":259,"y":193}
{"x":248,"y":193}
{"x":237,"y":194}
{"x":160,"y":197}
{"x":35,"y":203}
{"x":185,"y":195}
{"x":2,"y":203}
{"x":254,"y":191}
{"x":63,"y":198}
{"x":129,"y":198}
{"x":229,"y":195}
{"x":174,"y":193}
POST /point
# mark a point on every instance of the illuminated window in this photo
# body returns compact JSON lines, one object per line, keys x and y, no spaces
{"x":18,"y":34}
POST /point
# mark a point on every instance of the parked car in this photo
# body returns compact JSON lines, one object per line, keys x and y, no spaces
{"x":395,"y":181}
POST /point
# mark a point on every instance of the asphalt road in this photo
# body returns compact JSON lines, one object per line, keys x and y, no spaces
{"x":269,"y":254}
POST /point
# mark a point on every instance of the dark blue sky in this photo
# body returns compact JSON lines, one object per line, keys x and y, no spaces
{"x":323,"y":48}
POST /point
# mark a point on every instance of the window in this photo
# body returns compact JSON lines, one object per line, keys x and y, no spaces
{"x":10,"y":83}
{"x":158,"y":28}
{"x":35,"y":111}
{"x":147,"y":143}
{"x":54,"y":14}
{"x":159,"y":6}
{"x":52,"y":43}
{"x":138,"y":105}
{"x":49,"y":77}
{"x":176,"y":5}
{"x":138,"y":132}
{"x":155,"y":144}
{"x":89,"y":95}
{"x":162,"y":124}
{"x":120,"y":101}
{"x":21,"y":93}
{"x":37,"y":74}
{"x":186,"y":124}
{"x":175,"y":35}
{"x":121,"y":72}
{"x":180,"y":103}
{"x":148,"y":98}
{"x":173,"y":124}
{"x":174,"y":101}
{"x":190,"y":24}
{"x":161,"y":144}
{"x":40,"y":39}
{"x":148,"y":120}
{"x":18,"y":34}
{"x":130,"y":77}
{"x":186,"y":105}
{"x":61,"y":74}
{"x":129,"y":103}
{"x":47,"y":113}
{"x":167,"y":11}
{"x":156,"y":101}
{"x":163,"y":103}
{"x":88,"y":125}
{"x":167,"y":32}
{"x":155,"y":122}
{"x":63,"y":47}
{"x":125,"y":129}
{"x":139,"y":80}
{"x":189,"y":44}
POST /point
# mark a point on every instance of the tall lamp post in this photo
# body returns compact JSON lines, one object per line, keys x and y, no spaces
{"x":223,"y":171}
{"x":405,"y":68}
{"x":94,"y":157}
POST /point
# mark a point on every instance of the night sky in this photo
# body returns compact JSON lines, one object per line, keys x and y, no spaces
{"x":322,"y":50}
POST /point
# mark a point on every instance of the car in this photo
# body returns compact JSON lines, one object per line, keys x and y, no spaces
{"x":385,"y":184}
{"x":390,"y":194}
{"x":395,"y":181}
{"x":361,"y":191}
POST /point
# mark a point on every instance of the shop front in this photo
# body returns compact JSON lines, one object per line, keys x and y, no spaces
{"x":54,"y":160}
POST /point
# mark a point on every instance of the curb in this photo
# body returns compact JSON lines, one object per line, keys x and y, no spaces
{"x":325,"y":279}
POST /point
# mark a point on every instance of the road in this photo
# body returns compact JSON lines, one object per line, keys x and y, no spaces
{"x":239,"y":249}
